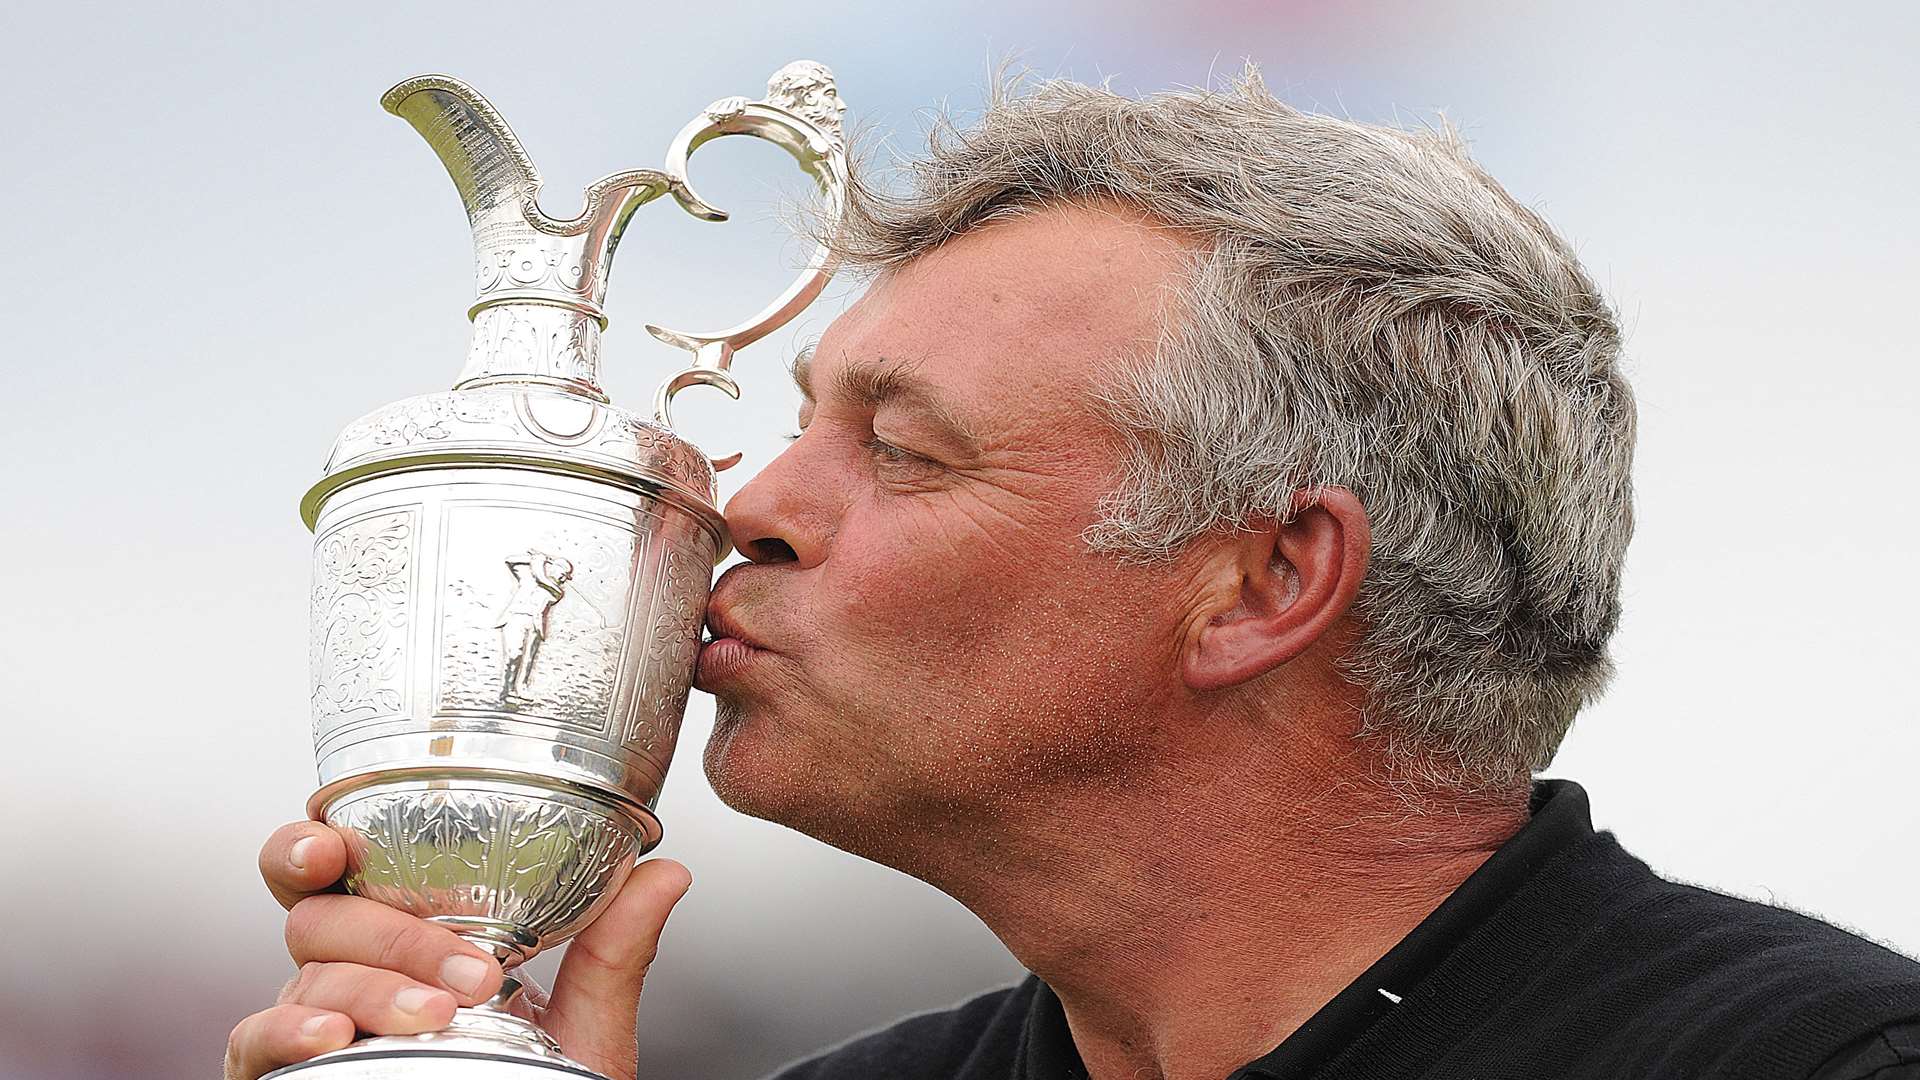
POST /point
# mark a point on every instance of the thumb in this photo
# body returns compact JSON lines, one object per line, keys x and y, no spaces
{"x":596,"y":994}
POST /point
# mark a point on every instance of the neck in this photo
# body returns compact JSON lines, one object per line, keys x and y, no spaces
{"x":1192,"y":921}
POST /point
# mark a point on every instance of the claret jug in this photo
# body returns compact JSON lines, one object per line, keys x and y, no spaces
{"x":510,"y":576}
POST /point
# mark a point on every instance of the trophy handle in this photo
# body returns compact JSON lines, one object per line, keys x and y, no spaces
{"x":698,"y":375}
{"x":801,"y":115}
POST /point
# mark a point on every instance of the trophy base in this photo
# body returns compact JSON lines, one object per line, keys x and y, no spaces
{"x":427,"y":1064}
{"x":480,"y":1044}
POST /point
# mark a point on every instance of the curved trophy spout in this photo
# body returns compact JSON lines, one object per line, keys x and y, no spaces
{"x":481,"y":153}
{"x":541,"y":280}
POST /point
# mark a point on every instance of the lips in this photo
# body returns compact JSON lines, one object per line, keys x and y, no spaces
{"x":721,"y":660}
{"x":721,"y":624}
{"x":728,"y":650}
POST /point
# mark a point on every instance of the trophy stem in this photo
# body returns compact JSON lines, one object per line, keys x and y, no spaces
{"x":493,"y":1019}
{"x":509,"y":944}
{"x":510,"y":987}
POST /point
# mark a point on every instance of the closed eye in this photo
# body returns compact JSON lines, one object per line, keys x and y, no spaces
{"x":883,"y":449}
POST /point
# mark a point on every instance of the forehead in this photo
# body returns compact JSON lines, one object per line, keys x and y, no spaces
{"x":1030,"y":314}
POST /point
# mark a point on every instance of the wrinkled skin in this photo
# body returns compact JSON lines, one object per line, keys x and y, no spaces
{"x":934,"y":637}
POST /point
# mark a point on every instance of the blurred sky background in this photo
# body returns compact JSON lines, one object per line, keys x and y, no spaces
{"x":223,"y":251}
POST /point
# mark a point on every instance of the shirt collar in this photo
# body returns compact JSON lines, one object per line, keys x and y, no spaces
{"x":1560,"y":819}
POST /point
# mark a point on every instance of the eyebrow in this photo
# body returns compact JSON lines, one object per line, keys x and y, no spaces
{"x":873,"y":383}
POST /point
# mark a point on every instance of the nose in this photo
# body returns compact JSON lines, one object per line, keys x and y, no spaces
{"x":784,"y":514}
{"x":768,"y":550}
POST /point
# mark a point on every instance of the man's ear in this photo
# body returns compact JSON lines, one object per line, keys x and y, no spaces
{"x":1288,"y":584}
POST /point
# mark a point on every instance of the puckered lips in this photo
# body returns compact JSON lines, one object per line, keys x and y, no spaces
{"x":728,"y":648}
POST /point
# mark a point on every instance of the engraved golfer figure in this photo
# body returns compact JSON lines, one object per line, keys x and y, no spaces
{"x":540,"y":581}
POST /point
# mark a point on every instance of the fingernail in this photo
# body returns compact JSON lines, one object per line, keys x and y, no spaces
{"x":415,"y":999}
{"x":314,"y":1025}
{"x":463,"y":973}
{"x":297,"y":854}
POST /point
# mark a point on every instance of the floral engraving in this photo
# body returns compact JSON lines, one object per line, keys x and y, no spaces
{"x":430,"y":419}
{"x":628,"y":431}
{"x":529,"y":339}
{"x":668,"y":455}
{"x":540,"y":865}
{"x":362,"y":577}
{"x":673,"y":637}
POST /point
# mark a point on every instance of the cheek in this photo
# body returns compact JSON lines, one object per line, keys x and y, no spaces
{"x":955,"y":630}
{"x":912,"y":588}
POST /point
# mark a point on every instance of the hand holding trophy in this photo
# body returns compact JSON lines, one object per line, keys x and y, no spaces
{"x":510,"y":579}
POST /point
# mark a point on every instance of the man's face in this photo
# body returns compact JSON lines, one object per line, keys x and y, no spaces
{"x":930,"y":638}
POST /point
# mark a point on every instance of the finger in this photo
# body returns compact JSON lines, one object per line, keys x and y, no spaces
{"x":300,"y":859}
{"x":282,"y":1035}
{"x":331,"y":928}
{"x":379,"y":1002}
{"x":532,"y":1000}
{"x":597,"y":990}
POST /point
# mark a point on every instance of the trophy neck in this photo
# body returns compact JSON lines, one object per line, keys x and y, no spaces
{"x":539,"y":280}
{"x":547,"y":343}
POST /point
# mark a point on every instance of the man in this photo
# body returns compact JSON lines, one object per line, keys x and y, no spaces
{"x":1200,"y":532}
{"x":539,"y":582}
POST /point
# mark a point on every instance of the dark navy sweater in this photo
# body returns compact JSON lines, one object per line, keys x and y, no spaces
{"x":1561,"y":957}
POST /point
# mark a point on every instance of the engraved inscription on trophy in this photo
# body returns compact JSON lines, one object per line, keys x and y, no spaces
{"x":536,"y":630}
{"x":362,"y":576}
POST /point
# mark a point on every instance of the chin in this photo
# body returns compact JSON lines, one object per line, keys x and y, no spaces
{"x":756,"y":773}
{"x":773,"y":768}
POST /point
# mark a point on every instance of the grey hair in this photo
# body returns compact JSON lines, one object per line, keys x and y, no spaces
{"x":1368,"y":309}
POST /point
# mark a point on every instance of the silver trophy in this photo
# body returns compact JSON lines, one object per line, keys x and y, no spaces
{"x":509,"y":577}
